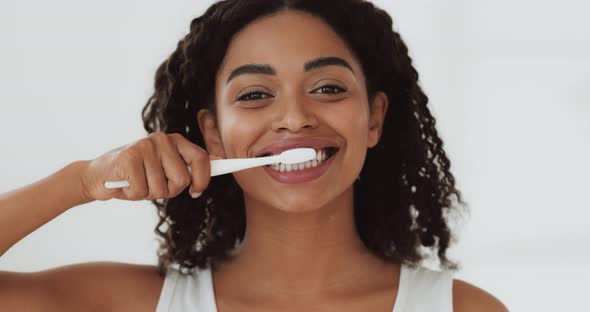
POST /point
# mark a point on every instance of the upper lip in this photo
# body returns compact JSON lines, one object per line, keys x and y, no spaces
{"x":289,"y":143}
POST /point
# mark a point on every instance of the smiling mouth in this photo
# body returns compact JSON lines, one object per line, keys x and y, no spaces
{"x":322,"y":155}
{"x":329,"y":150}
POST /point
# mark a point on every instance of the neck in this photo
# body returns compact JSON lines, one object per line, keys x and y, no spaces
{"x":302,"y":255}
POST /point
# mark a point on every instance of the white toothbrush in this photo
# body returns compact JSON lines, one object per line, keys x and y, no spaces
{"x":223,"y":166}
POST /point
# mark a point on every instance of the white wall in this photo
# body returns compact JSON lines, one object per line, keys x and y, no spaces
{"x":508,"y":82}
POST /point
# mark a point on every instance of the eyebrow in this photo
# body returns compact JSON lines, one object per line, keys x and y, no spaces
{"x":269,"y":70}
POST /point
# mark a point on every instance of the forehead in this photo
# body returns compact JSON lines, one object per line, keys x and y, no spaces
{"x":285,"y":40}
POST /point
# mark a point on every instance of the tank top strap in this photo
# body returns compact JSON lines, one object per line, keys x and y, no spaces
{"x":424,"y":290}
{"x":187,"y":292}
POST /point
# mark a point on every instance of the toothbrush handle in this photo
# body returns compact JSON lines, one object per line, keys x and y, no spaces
{"x":223,"y":166}
{"x":218,"y":167}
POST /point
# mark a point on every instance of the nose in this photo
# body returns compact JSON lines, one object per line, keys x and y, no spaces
{"x":294,"y":115}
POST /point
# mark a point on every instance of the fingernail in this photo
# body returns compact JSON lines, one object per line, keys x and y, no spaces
{"x":195,"y":195}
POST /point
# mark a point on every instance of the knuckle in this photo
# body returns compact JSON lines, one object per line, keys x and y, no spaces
{"x":179,"y":138}
{"x":161,"y":137}
{"x":176,"y":135}
{"x":158,"y":135}
{"x":145,"y":145}
{"x":137,"y":194}
{"x":179,"y":181}
{"x":159,"y":193}
{"x":201,"y":154}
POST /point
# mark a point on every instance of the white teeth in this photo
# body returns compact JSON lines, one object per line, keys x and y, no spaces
{"x":320,"y":155}
{"x":318,"y":160}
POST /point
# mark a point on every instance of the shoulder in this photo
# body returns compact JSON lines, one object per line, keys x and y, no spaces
{"x":467,"y":297}
{"x":116,"y":286}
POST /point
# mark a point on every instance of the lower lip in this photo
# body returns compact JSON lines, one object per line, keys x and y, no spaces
{"x":300,"y":176}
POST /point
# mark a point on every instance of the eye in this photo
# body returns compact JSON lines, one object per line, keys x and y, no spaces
{"x":253,"y":96}
{"x":328,"y":89}
{"x":259,"y":95}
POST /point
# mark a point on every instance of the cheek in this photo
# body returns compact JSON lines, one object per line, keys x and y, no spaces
{"x":353,"y":126}
{"x":351,"y":122}
{"x":238,"y":133}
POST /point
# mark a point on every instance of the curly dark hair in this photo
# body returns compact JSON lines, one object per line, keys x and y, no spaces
{"x":405,"y":187}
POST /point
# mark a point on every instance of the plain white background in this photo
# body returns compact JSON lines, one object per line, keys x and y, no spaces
{"x":508,"y":82}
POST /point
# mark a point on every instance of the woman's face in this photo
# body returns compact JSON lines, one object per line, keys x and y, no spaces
{"x":292,"y":98}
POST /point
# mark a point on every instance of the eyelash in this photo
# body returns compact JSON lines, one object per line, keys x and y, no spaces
{"x":241,"y":98}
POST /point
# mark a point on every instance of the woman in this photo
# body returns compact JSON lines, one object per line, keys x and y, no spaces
{"x":345,"y":232}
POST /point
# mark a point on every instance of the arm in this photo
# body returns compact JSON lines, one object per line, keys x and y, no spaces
{"x":97,"y":286}
{"x":155,"y":167}
{"x":24,"y":210}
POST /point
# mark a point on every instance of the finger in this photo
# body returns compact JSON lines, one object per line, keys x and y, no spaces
{"x":134,"y":172}
{"x":174,"y":167}
{"x":155,"y":175}
{"x":198,"y":159}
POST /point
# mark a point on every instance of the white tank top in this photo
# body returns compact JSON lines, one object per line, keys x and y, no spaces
{"x":420,"y":290}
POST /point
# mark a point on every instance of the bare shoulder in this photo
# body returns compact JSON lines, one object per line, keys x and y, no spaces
{"x":467,"y":297}
{"x":97,"y":286}
{"x":123,"y":286}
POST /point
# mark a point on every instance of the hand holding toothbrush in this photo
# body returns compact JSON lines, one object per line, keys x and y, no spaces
{"x":162,"y":165}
